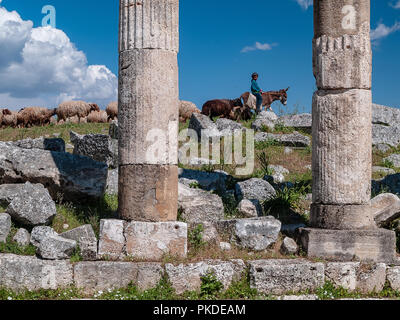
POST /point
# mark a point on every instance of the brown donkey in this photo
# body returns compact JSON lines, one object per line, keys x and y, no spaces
{"x":268,"y":98}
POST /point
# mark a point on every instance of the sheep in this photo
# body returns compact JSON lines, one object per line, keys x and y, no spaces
{"x":3,"y":112}
{"x":31,"y":116}
{"x":186,"y":109}
{"x":97,"y":117}
{"x":10,"y":119}
{"x":80,"y":109}
{"x":112,"y":111}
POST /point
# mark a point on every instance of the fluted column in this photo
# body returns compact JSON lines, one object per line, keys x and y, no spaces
{"x":342,"y":115}
{"x":148,"y":109}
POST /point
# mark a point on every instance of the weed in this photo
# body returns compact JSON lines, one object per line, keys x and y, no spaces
{"x":194,"y":185}
{"x":210,"y":286}
{"x":10,"y":246}
{"x":388,"y":164}
{"x":195,"y":237}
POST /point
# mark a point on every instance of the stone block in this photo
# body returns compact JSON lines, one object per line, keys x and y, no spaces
{"x":342,"y":274}
{"x":393,"y":276}
{"x":111,"y":239}
{"x":22,"y":237}
{"x":86,"y":239}
{"x":255,"y":234}
{"x":385,"y":208}
{"x":348,"y":245}
{"x":151,"y":241}
{"x":20,"y":273}
{"x":148,"y":193}
{"x":371,"y":278}
{"x":5,"y":226}
{"x":342,"y":147}
{"x":188,"y":277}
{"x":100,"y":276}
{"x":283,"y":276}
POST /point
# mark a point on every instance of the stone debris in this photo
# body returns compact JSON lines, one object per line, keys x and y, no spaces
{"x":228,"y":127}
{"x":394,"y":159}
{"x":384,"y":170}
{"x":98,"y":147}
{"x":29,"y":204}
{"x":371,"y":278}
{"x":254,"y":234}
{"x":297,"y":121}
{"x":199,"y":206}
{"x":112,"y":182}
{"x":76,"y":178}
{"x":203,"y":126}
{"x":22,"y":237}
{"x":225,"y":246}
{"x":5,"y":226}
{"x":294,"y":139}
{"x":265,"y":119}
{"x":210,"y":181}
{"x":393,"y":277}
{"x":254,"y":189}
{"x":289,"y":246}
{"x":56,"y":145}
{"x":86,"y":239}
{"x":250,"y":208}
{"x":385,"y":208}
{"x":113,"y":130}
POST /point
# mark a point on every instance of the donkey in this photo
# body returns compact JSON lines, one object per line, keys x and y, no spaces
{"x":220,"y":108}
{"x":268,"y":98}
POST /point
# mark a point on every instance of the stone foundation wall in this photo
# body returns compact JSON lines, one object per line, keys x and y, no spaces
{"x":267,"y":276}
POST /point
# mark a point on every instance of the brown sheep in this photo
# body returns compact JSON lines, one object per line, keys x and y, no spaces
{"x":35,"y":116}
{"x":10,"y":119}
{"x":80,"y":109}
{"x":186,"y":109}
{"x":112,"y":110}
{"x":97,"y":117}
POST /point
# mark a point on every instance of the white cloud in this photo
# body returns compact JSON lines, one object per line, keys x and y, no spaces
{"x":259,"y":46}
{"x":43,"y":65}
{"x":396,"y":5}
{"x":305,"y":4}
{"x":382,"y":31}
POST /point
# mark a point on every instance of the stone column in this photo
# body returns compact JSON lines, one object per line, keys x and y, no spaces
{"x":148,"y":110}
{"x":342,"y":136}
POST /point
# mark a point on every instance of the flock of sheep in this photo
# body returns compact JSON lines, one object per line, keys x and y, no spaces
{"x":70,"y":111}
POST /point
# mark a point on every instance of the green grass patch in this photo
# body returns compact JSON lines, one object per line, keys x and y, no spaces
{"x":58,"y":294}
{"x":14,"y":248}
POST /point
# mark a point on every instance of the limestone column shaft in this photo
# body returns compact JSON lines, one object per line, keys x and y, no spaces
{"x":342,"y":115}
{"x":148,"y":109}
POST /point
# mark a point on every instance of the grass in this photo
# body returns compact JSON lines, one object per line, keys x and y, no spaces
{"x":70,"y":215}
{"x":14,"y":248}
{"x":58,"y":294}
{"x":13,"y":134}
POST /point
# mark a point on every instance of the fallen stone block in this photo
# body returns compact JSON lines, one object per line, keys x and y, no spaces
{"x":112,"y":182}
{"x":111,"y":238}
{"x":210,"y":181}
{"x":383,"y":170}
{"x":76,"y":178}
{"x":20,"y":273}
{"x":250,"y":208}
{"x":57,"y":144}
{"x":93,"y":277}
{"x":153,"y":240}
{"x":113,"y":130}
{"x":386,"y":135}
{"x":188,"y":277}
{"x":294,"y":139}
{"x":385,"y":115}
{"x":203,"y":126}
{"x":283,"y":276}
{"x":197,"y":206}
{"x":22,"y":237}
{"x":385,"y":208}
{"x":255,"y":234}
{"x":265,"y":119}
{"x":254,"y":189}
{"x":99,"y":147}
{"x":30,"y":205}
{"x":298,"y":121}
{"x":5,"y":226}
{"x":289,"y":246}
{"x":86,"y":239}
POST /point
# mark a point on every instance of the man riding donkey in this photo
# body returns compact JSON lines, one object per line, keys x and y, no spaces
{"x":255,"y":90}
{"x":263,"y":98}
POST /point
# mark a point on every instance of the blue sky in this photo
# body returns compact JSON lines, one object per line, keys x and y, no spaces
{"x":217,"y":55}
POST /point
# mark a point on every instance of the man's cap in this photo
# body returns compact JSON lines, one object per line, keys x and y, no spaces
{"x":254,"y":74}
